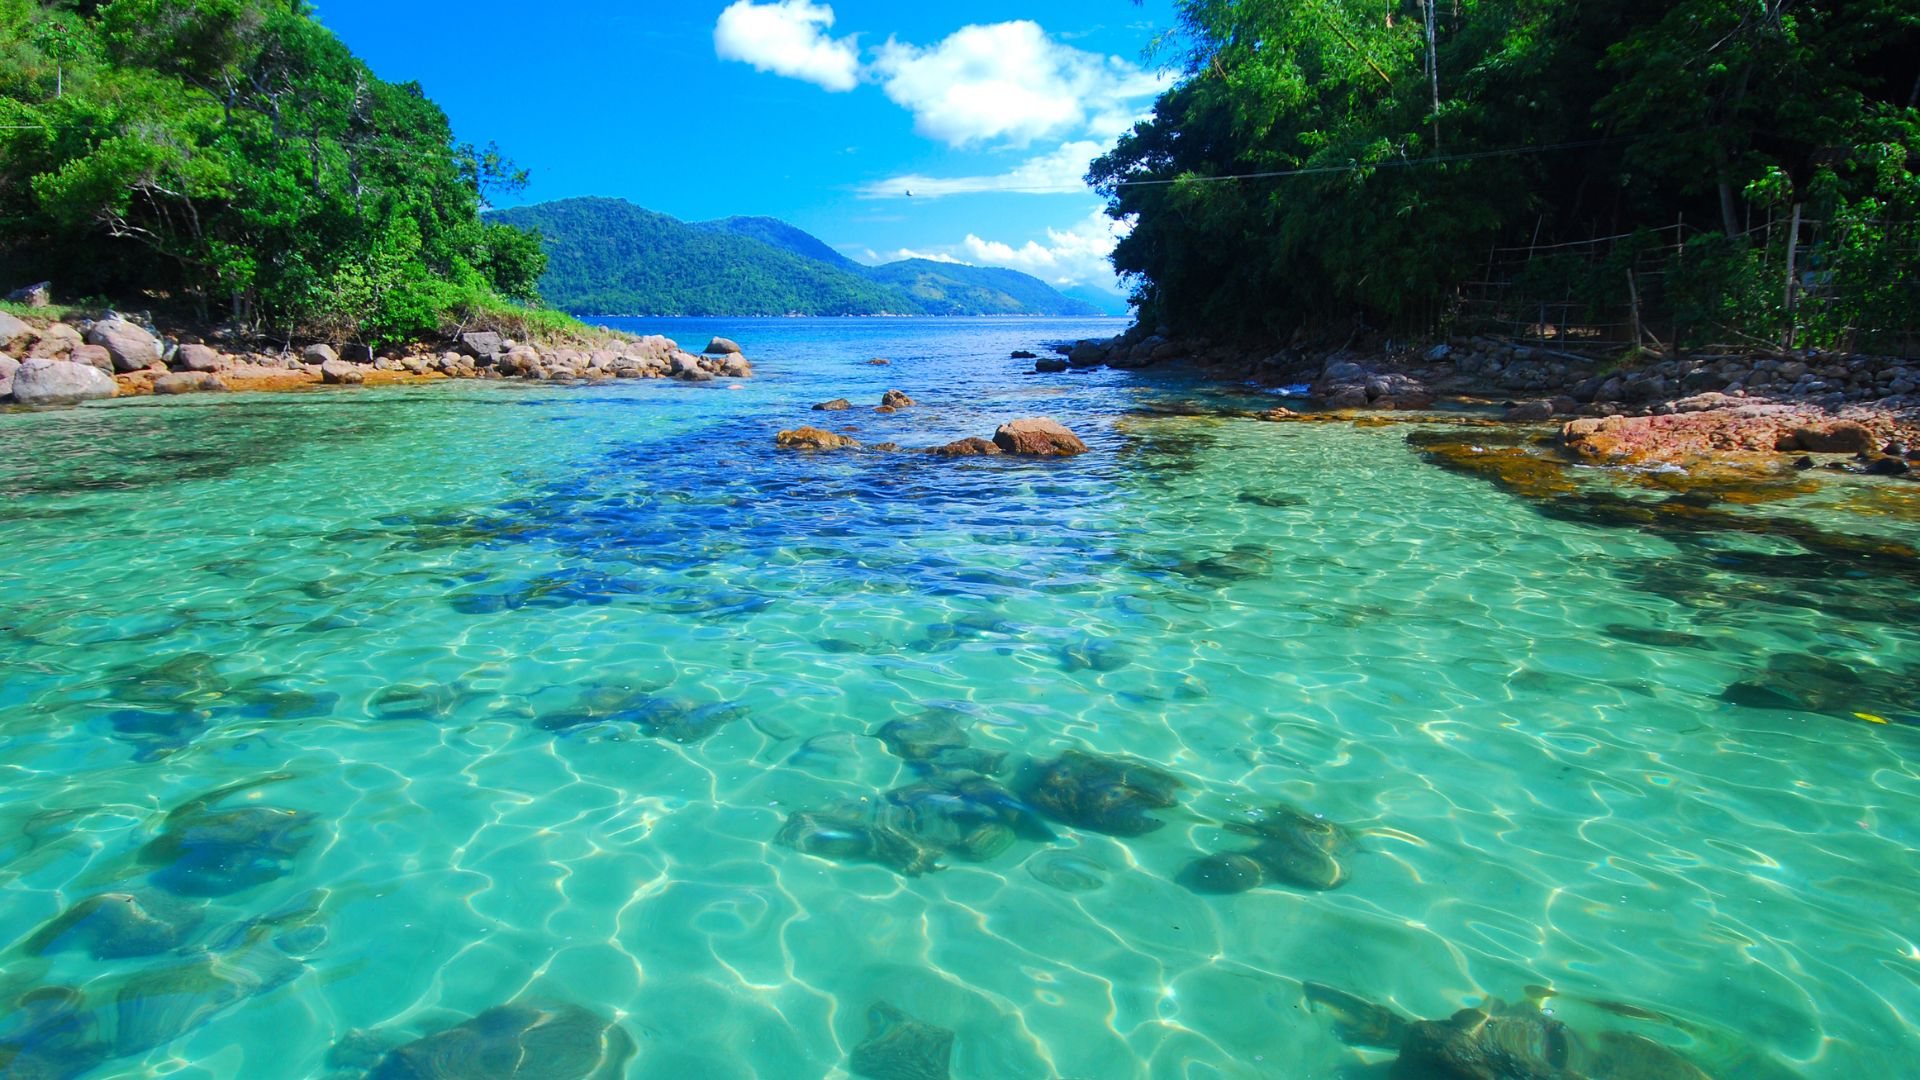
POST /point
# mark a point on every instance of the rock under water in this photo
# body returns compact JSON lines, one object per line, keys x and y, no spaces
{"x":901,"y":1047}
{"x":1105,"y":794}
{"x":525,"y":1041}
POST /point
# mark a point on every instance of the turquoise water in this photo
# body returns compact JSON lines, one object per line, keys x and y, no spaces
{"x":515,"y":687}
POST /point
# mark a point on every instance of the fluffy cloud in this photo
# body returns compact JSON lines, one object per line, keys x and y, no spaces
{"x":788,"y":38}
{"x":1071,"y":256}
{"x":1062,"y":171}
{"x":1011,"y":83}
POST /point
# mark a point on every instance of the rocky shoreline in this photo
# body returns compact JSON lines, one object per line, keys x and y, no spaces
{"x":1860,"y":412}
{"x":47,"y":362}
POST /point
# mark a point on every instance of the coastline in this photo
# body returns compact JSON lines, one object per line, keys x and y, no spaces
{"x":1808,"y":409}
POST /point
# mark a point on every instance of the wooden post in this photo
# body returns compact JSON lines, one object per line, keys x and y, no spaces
{"x":1793,"y":244}
{"x":1633,"y":298}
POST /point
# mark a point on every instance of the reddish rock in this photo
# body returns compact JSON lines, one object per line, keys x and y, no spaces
{"x":813,"y":438}
{"x":94,"y":355}
{"x":894,"y":399}
{"x":973,"y":447}
{"x":1040,"y":436}
{"x":1843,"y":437}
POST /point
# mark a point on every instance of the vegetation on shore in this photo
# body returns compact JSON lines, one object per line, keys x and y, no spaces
{"x":610,"y":257}
{"x":1414,"y":139}
{"x":234,"y":159}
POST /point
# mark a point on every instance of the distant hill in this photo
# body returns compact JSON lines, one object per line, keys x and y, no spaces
{"x":610,"y":257}
{"x":783,"y":236}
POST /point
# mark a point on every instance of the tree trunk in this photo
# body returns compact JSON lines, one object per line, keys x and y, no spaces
{"x":1793,"y":246}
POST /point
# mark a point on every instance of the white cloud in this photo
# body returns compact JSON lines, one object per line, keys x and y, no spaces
{"x":1063,"y":171}
{"x":1073,"y":256}
{"x":1009,"y":82}
{"x":788,"y":38}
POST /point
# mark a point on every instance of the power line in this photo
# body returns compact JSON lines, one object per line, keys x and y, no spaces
{"x":1316,"y":170}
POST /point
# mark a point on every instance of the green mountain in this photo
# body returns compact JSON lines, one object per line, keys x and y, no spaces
{"x":610,"y":257}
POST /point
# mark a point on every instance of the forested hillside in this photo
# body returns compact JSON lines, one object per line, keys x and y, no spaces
{"x":233,"y":156}
{"x":1751,"y":168}
{"x":609,"y":257}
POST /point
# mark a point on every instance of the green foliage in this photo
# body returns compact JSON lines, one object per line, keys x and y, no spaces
{"x":609,"y":257}
{"x":1716,"y":112}
{"x":235,"y":155}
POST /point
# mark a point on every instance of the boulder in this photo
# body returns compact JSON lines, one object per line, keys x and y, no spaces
{"x":682,"y":362}
{"x":340,"y":373}
{"x":1022,"y":354}
{"x":319,"y":354}
{"x":974,"y":447}
{"x":524,"y":359}
{"x":14,"y":332}
{"x":1347,"y":397}
{"x":736,"y":367}
{"x":56,"y":342}
{"x":95,"y":355}
{"x":878,"y":362}
{"x":813,"y":438}
{"x":61,"y":382}
{"x":722,"y":347}
{"x":838,"y":404}
{"x":479,"y":344}
{"x":1087,"y":354}
{"x":356,"y":353}
{"x":1040,"y":436}
{"x":37,"y":295}
{"x":694,"y":374}
{"x":188,"y":382}
{"x":894,"y":399}
{"x":8,"y":365}
{"x":6,"y":389}
{"x":1841,"y":437}
{"x":1529,"y":412}
{"x":201,"y":358}
{"x":1049,"y":364}
{"x":132,"y":348}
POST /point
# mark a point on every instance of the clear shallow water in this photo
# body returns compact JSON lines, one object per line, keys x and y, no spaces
{"x":410,"y":611}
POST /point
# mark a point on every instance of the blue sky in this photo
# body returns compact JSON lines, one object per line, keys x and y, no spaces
{"x":819,"y":113}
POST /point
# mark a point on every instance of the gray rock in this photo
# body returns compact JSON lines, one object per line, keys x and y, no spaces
{"x":96,"y":355}
{"x":39,"y":294}
{"x":737,"y":367}
{"x":1087,"y":354}
{"x":480,"y":344}
{"x":1050,"y":364}
{"x":722,"y":347}
{"x":356,"y":353}
{"x":524,"y":359}
{"x":8,"y":365}
{"x":13,"y":331}
{"x":6,"y":390}
{"x":201,"y":358}
{"x":132,"y":348}
{"x":188,"y":382}
{"x":340,"y":373}
{"x":319,"y":354}
{"x":56,"y":342}
{"x":682,"y":363}
{"x":1527,"y":412}
{"x":61,"y":382}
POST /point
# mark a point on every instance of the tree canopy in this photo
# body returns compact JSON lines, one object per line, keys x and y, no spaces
{"x":1415,"y":139}
{"x":235,"y":156}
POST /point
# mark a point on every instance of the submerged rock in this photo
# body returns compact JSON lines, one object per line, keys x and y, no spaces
{"x":850,"y":833}
{"x":203,"y":851}
{"x":1295,"y":849}
{"x":813,"y":438}
{"x":972,"y":447}
{"x":901,"y":1047}
{"x":118,"y":926}
{"x":937,"y":740}
{"x":1103,"y":794}
{"x":970,"y":816}
{"x":557,"y":1041}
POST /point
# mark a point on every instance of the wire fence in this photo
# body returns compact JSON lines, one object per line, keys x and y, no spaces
{"x":1788,"y":282}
